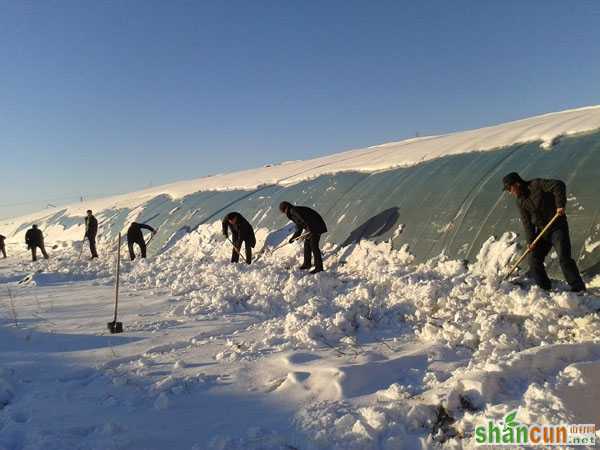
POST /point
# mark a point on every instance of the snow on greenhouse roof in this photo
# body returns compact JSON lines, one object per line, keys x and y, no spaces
{"x":379,"y":157}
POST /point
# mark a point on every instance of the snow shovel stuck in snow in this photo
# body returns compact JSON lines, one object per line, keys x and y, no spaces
{"x":533,"y":244}
{"x":114,"y":326}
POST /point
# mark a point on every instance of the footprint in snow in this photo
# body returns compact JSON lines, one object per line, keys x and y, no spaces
{"x":20,"y":417}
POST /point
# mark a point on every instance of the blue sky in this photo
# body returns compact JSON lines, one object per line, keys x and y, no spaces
{"x":99,"y":97}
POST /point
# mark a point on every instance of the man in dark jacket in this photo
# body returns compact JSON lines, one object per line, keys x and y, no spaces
{"x":241,"y":231}
{"x":538,"y":201}
{"x":91,"y":229}
{"x":135,"y":236}
{"x":2,"y":246}
{"x":307,"y":219}
{"x":34,"y":238}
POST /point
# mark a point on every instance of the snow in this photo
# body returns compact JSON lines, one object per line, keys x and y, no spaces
{"x":220,"y":356}
{"x":591,"y":246}
{"x":544,"y":128}
{"x":377,"y":352}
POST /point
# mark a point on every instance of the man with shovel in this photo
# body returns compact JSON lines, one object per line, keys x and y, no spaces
{"x":307,"y":219}
{"x":539,"y":201}
{"x":135,"y":236}
{"x":241,"y":231}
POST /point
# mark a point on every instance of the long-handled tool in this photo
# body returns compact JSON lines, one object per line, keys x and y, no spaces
{"x":532,"y":245}
{"x":299,"y":238}
{"x":114,"y":326}
{"x":151,"y":237}
{"x":237,"y":250}
{"x":82,"y":244}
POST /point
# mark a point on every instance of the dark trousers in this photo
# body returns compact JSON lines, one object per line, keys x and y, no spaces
{"x":237,"y":244}
{"x":142,"y":245}
{"x":559,"y":239}
{"x":92,"y":241}
{"x":311,"y":248}
{"x":34,"y":251}
{"x":3,"y":250}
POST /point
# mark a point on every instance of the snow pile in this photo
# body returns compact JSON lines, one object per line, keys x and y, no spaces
{"x":369,"y":287}
{"x":69,"y":266}
{"x":496,"y":255}
{"x":370,"y":291}
{"x":479,"y":346}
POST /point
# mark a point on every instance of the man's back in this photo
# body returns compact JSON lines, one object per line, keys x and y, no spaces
{"x":135,"y":231}
{"x":305,"y":216}
{"x":34,"y":236}
{"x":541,"y":199}
{"x":91,"y":225}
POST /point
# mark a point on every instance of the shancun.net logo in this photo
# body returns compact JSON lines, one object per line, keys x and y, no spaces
{"x":511,"y":432}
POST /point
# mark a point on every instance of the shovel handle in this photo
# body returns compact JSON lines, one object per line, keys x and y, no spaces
{"x":117,"y":278}
{"x":299,"y":238}
{"x":237,"y":250}
{"x":533,"y":244}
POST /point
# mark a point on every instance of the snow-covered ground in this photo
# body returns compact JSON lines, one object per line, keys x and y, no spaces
{"x":375,"y":353}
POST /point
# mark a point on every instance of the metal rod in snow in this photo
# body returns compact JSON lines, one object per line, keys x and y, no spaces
{"x":118,"y":273}
{"x":82,"y":245}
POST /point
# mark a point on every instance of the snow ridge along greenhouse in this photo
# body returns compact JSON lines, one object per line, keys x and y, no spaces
{"x":449,"y":204}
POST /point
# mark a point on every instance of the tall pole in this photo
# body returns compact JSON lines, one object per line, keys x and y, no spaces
{"x":117,"y":277}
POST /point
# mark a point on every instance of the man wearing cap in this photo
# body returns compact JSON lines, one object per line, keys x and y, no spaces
{"x":307,"y":219}
{"x":538,"y":201}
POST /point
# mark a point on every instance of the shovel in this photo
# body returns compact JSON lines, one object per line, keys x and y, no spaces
{"x":82,"y":244}
{"x":299,"y":238}
{"x":237,"y":250}
{"x":151,"y":237}
{"x":536,"y":240}
{"x":114,"y":326}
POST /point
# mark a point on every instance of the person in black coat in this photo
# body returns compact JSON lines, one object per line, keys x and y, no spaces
{"x":242,"y":232}
{"x":538,"y":201}
{"x":2,"y":246}
{"x":91,"y":229}
{"x":34,"y":238}
{"x":135,"y":236}
{"x":307,"y":219}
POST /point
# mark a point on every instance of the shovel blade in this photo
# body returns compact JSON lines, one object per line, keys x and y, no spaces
{"x":115,"y":327}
